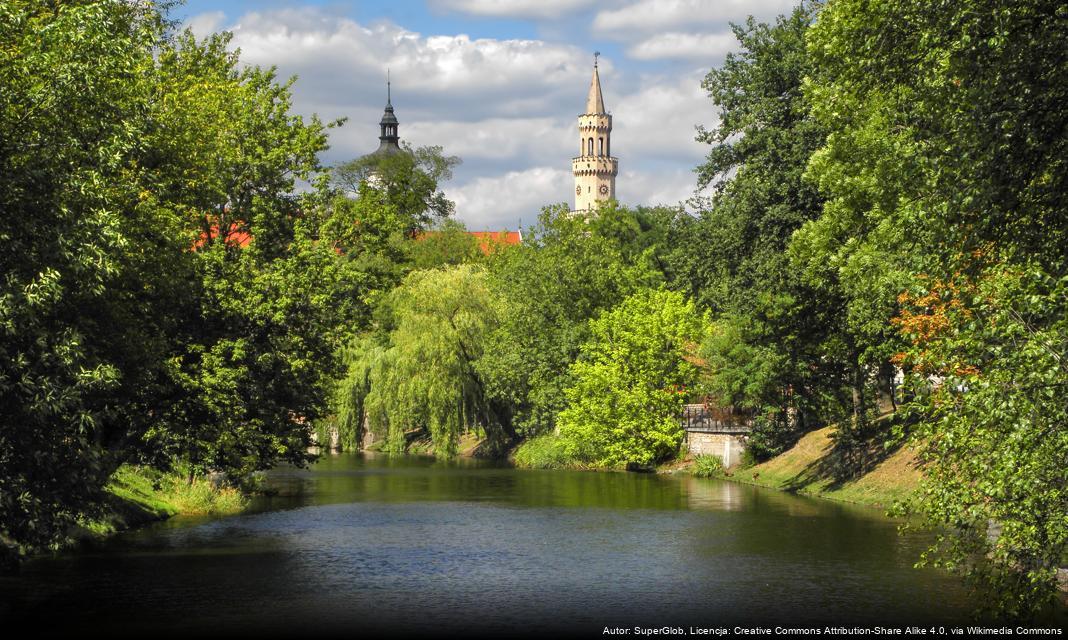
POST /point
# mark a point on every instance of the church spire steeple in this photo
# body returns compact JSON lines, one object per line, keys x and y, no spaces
{"x":594,"y":169}
{"x":389,"y":138}
{"x":594,"y":101}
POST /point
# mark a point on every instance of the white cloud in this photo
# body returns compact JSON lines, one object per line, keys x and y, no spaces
{"x":655,"y":188}
{"x":498,"y":138}
{"x":651,"y":16}
{"x":658,"y":121}
{"x":347,"y":55}
{"x":500,"y":201}
{"x":205,"y":24}
{"x":698,"y":46}
{"x":447,"y":89}
{"x":507,"y":107}
{"x":515,"y":8}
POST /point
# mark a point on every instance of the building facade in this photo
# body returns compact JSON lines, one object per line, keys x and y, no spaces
{"x":594,"y":168}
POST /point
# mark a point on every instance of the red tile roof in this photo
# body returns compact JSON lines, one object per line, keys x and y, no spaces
{"x":235,"y":237}
{"x":488,"y":241}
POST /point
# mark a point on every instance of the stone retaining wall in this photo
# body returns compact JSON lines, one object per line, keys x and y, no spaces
{"x":727,"y":447}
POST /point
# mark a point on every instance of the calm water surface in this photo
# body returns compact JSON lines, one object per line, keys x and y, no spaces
{"x":359,"y":543}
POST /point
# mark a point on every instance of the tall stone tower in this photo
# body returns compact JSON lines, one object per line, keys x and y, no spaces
{"x":595,"y":169}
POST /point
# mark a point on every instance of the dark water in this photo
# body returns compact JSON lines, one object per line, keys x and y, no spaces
{"x":358,"y":544}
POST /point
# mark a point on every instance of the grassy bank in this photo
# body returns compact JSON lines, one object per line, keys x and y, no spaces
{"x":139,"y":495}
{"x":814,"y":467}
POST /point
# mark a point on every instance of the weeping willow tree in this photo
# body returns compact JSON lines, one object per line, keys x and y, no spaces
{"x":418,"y":373}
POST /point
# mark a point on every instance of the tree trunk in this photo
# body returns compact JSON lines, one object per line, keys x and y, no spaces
{"x":859,"y":401}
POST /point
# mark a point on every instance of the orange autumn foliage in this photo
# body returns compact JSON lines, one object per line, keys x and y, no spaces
{"x":927,"y":317}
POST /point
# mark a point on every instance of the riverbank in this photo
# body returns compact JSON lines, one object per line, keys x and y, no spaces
{"x":879,"y":477}
{"x":813,"y":467}
{"x":136,"y":496}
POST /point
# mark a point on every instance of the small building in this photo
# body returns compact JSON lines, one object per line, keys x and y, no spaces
{"x":716,"y":431}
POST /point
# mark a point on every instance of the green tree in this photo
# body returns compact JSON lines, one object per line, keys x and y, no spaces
{"x":565,"y":273}
{"x":945,"y":179}
{"x":257,"y":356}
{"x":631,"y":380}
{"x":83,"y":309}
{"x":409,"y":180}
{"x":992,"y":429}
{"x":165,"y":294}
{"x":447,"y":244}
{"x":419,"y":374}
{"x":777,"y":351}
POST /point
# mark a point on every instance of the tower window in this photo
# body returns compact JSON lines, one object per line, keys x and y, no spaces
{"x":590,"y":146}
{"x":600,"y":146}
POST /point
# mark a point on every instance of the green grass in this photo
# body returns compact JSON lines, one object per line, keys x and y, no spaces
{"x":811,"y":468}
{"x":138,"y":495}
{"x":200,"y":497}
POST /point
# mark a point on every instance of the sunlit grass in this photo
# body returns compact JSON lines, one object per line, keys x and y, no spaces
{"x":803,"y":469}
{"x":543,"y":452}
{"x":137,"y":495}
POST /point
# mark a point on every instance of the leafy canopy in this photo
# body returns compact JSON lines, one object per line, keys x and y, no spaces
{"x":631,"y":380}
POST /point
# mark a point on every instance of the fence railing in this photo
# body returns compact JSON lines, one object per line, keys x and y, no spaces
{"x":700,"y":418}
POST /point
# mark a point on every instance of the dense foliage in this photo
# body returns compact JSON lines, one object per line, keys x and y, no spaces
{"x":946,"y":229}
{"x":890,"y":205}
{"x":630,"y":382}
{"x":72,"y":270}
{"x":566,"y":272}
{"x":409,"y":181}
{"x":776,"y":352}
{"x":419,"y":371}
{"x":165,"y":296}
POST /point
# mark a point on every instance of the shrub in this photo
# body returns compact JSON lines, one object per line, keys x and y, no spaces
{"x":201,"y":497}
{"x":543,"y":452}
{"x":707,"y":466}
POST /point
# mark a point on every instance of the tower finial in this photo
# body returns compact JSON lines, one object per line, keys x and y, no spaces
{"x":596,"y":54}
{"x":389,"y":99}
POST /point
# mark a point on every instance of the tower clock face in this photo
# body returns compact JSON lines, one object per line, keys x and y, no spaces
{"x":604,"y":189}
{"x":578,"y":191}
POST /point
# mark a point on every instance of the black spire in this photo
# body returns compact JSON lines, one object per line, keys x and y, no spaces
{"x":389,"y":138}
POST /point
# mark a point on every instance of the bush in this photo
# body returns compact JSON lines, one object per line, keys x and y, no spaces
{"x":707,"y":466}
{"x":201,"y":497}
{"x":543,"y":452}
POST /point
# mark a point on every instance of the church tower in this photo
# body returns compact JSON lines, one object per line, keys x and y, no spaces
{"x":595,"y":169}
{"x":389,"y":138}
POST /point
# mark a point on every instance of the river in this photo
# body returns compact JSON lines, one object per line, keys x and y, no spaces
{"x":376,"y":543}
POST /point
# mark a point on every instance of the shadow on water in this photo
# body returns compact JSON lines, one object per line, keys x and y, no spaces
{"x":360,"y":543}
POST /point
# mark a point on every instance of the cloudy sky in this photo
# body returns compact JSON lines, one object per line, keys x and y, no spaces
{"x":500,"y":83}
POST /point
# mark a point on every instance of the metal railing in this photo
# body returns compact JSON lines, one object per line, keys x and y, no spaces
{"x":699,"y":418}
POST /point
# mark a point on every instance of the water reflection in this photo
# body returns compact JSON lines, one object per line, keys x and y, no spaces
{"x":419,"y":545}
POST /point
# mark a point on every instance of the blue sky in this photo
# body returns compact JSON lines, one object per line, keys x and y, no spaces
{"x":500,"y":82}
